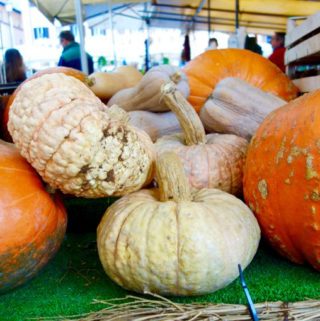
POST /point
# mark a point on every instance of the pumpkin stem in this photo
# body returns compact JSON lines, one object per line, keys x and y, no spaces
{"x":172,"y":181}
{"x":176,"y":77}
{"x":189,"y":120}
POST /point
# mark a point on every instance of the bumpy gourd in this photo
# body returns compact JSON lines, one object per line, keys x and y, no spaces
{"x":146,"y":95}
{"x":210,"y":161}
{"x":33,"y":223}
{"x":75,"y":143}
{"x":176,"y":242}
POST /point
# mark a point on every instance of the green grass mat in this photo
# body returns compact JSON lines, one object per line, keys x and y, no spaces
{"x":70,"y":282}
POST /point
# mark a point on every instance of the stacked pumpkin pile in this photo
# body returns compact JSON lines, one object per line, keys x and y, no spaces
{"x":188,"y":235}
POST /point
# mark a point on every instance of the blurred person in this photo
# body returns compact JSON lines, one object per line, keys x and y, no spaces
{"x":277,"y":43}
{"x":14,"y":66}
{"x":71,"y":56}
{"x":212,"y":44}
{"x":186,"y":51}
{"x":252,"y":45}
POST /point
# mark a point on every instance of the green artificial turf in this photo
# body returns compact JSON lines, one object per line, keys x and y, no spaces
{"x":70,"y":282}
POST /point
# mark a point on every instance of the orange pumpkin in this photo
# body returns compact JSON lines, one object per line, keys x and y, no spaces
{"x":66,"y":70}
{"x":206,"y":70}
{"x":32,"y":223}
{"x":282,"y":179}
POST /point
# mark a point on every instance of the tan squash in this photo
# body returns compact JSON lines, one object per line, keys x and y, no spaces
{"x":236,"y":107}
{"x":210,"y":161}
{"x":173,"y":241}
{"x":75,"y":143}
{"x":155,"y":125}
{"x":106,"y":84}
{"x":146,"y":95}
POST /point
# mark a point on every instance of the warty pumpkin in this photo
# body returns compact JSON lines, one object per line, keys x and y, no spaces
{"x":210,"y":161}
{"x":155,"y":125}
{"x":33,"y":223}
{"x":146,"y":95}
{"x":173,"y":241}
{"x":206,"y":70}
{"x":106,"y":84}
{"x":235,"y":107}
{"x":77,"y":144}
{"x":65,"y":70}
{"x":282,"y":179}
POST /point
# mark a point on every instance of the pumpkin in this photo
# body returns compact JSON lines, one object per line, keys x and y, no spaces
{"x":65,"y":70}
{"x":33,"y":223}
{"x":173,"y":241}
{"x":211,"y":161}
{"x":106,"y":84}
{"x":206,"y":70}
{"x":281,"y":179}
{"x":224,"y":112}
{"x":155,"y":124}
{"x":146,"y":95}
{"x":75,"y":143}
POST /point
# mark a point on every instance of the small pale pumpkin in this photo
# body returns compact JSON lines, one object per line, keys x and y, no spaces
{"x":33,"y":223}
{"x":77,"y":144}
{"x":211,"y":161}
{"x":146,"y":95}
{"x":106,"y":84}
{"x":176,"y":242}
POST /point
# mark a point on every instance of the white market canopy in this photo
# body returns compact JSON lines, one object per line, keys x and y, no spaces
{"x":258,"y":16}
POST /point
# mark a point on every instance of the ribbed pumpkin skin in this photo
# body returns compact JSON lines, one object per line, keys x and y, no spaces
{"x":282,"y":179}
{"x":177,"y":248}
{"x":32,"y":223}
{"x":216,"y":164}
{"x":207,"y":69}
{"x":66,"y":70}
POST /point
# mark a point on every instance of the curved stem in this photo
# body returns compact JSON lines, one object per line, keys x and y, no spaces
{"x":189,"y":120}
{"x":172,"y":181}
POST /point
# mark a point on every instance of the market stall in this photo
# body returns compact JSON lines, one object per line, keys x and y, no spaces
{"x":188,"y":179}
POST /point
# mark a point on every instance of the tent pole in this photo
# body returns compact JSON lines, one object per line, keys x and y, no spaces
{"x":112,"y":34}
{"x":237,"y":14}
{"x":79,"y":21}
{"x":209,"y":18}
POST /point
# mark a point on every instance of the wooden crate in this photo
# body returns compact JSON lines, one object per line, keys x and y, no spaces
{"x":302,"y":56}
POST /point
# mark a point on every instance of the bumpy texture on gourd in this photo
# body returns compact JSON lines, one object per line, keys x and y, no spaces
{"x":178,"y":243}
{"x":74,"y":142}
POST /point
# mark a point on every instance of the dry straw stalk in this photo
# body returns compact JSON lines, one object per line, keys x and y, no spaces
{"x":132,"y":308}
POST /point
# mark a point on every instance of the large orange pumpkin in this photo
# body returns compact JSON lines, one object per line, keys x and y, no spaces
{"x":282,"y":179}
{"x":32,"y":224}
{"x":66,"y":70}
{"x":206,"y":70}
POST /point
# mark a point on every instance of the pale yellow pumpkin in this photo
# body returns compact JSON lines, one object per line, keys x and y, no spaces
{"x":146,"y":95}
{"x":75,"y":143}
{"x":106,"y":84}
{"x":210,"y":161}
{"x":173,"y":241}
